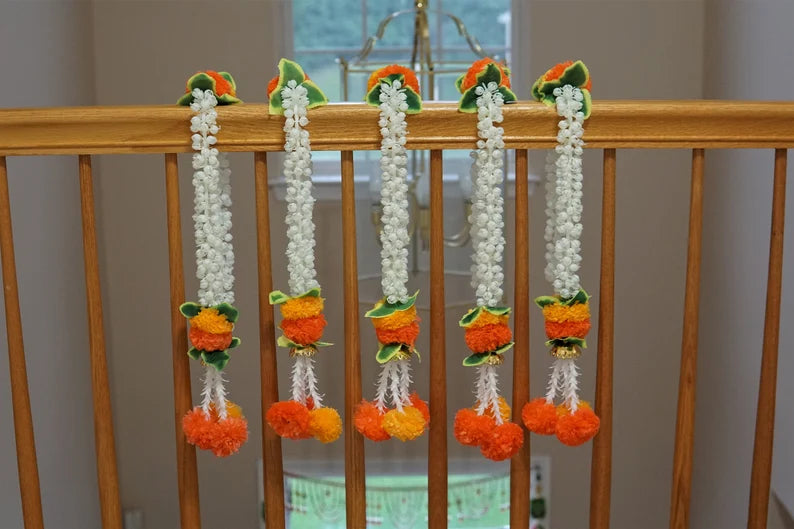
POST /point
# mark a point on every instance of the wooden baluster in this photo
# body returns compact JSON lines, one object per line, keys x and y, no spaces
{"x":272,"y":462}
{"x":103,"y":412}
{"x":187,"y":473}
{"x":520,"y":463}
{"x":765,"y":416}
{"x":355,"y":498}
{"x":685,"y":422}
{"x":20,"y":397}
{"x":437,"y":452}
{"x":601,"y":468}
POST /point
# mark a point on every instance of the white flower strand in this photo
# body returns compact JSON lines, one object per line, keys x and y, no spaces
{"x":300,"y":202}
{"x":394,"y":236}
{"x":487,"y":391}
{"x":212,"y":217}
{"x":487,"y":211}
{"x":564,"y":195}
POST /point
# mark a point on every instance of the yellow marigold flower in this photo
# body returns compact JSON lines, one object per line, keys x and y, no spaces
{"x":562,"y":313}
{"x":396,"y":320}
{"x":486,"y":318}
{"x":299,"y":308}
{"x":209,"y":320}
{"x":325,"y":424}
{"x":406,"y":425}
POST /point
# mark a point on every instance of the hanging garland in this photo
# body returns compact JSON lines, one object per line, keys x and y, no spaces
{"x":217,"y":424}
{"x":567,"y":313}
{"x":291,"y":94}
{"x":485,"y":88}
{"x":395,"y":91}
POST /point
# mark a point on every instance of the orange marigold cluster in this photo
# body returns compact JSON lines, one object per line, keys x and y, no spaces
{"x":401,"y":326}
{"x":488,"y":337}
{"x":222,"y":86}
{"x":294,"y":420}
{"x":223,"y":437}
{"x":303,"y":321}
{"x":410,"y":77}
{"x":380,"y":425}
{"x":558,"y":69}
{"x":210,"y":331}
{"x":567,"y":321}
{"x":496,"y":441}
{"x":572,"y":429}
{"x":478,"y":66}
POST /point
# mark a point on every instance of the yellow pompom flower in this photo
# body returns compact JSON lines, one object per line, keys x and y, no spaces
{"x":558,"y":313}
{"x":325,"y":425}
{"x":396,"y":320}
{"x":406,"y":425}
{"x":211,"y":321}
{"x":300,"y":308}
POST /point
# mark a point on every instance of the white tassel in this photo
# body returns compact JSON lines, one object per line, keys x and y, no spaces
{"x":220,"y":396}
{"x":298,"y":390}
{"x":405,"y":381}
{"x":570,"y":384}
{"x":383,"y":386}
{"x":396,"y":396}
{"x":311,"y":381}
{"x":554,"y":381}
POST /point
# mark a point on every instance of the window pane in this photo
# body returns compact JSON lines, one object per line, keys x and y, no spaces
{"x":400,"y":31}
{"x":327,"y":23}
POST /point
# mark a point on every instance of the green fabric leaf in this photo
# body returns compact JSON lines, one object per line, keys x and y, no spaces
{"x":373,"y":96}
{"x":476,"y":359}
{"x":277,"y":297}
{"x":507,"y":95}
{"x":193,"y":353}
{"x":274,"y":102}
{"x":542,"y":301}
{"x":546,"y":88}
{"x":185,"y":100}
{"x":316,"y":96}
{"x":313,"y":293}
{"x":567,"y":342}
{"x":503,"y":349}
{"x":322,"y":344}
{"x":498,"y":311}
{"x":217,"y":359}
{"x":490,"y":74}
{"x":579,"y":297}
{"x":459,"y":82}
{"x":190,"y":309}
{"x":413,"y":100}
{"x":393,"y":77}
{"x":575,"y":75}
{"x":536,"y":90}
{"x":468,"y":103}
{"x":235,"y":343}
{"x":469,"y":317}
{"x":227,"y":310}
{"x":201,"y":81}
{"x":228,"y":77}
{"x":387,"y":352}
{"x":283,"y":341}
{"x":289,"y":71}
{"x":549,"y":100}
{"x":587,"y":103}
{"x":228,"y":99}
{"x":415,"y":351}
{"x":383,"y":309}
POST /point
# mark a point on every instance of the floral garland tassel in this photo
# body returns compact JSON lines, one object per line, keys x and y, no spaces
{"x":567,"y":313}
{"x":485,"y":88}
{"x":218,"y":424}
{"x":395,"y":91}
{"x":291,"y":94}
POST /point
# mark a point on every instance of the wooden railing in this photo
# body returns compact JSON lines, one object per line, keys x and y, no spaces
{"x":696,"y":125}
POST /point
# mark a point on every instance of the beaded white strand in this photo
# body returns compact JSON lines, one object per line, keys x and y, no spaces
{"x":394,"y":236}
{"x":300,"y":202}
{"x":212,"y":220}
{"x":564,"y":195}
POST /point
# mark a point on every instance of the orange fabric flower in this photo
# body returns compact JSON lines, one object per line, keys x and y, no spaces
{"x":205,"y":341}
{"x":410,"y":77}
{"x":470,"y":429}
{"x":304,"y":331}
{"x":406,"y":335}
{"x":574,"y":429}
{"x":471,"y":75}
{"x":289,"y":419}
{"x":368,"y":420}
{"x":397,"y":319}
{"x":576,"y":329}
{"x":556,"y":71}
{"x":540,"y":416}
{"x":488,"y":337}
{"x":503,"y":442}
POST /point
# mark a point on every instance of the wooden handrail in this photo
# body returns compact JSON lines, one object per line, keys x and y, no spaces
{"x":354,"y":126}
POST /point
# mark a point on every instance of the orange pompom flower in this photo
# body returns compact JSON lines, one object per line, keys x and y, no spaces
{"x":368,"y":420}
{"x":556,"y":71}
{"x":304,"y":331}
{"x":503,"y":442}
{"x":567,"y":329}
{"x":470,"y":79}
{"x":232,"y":432}
{"x":205,"y":341}
{"x":488,"y":337}
{"x":406,"y":335}
{"x":540,"y":416}
{"x":470,"y":428}
{"x":208,"y":432}
{"x":574,"y":429}
{"x":420,"y":405}
{"x":289,"y":419}
{"x":408,"y":74}
{"x":325,"y":425}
